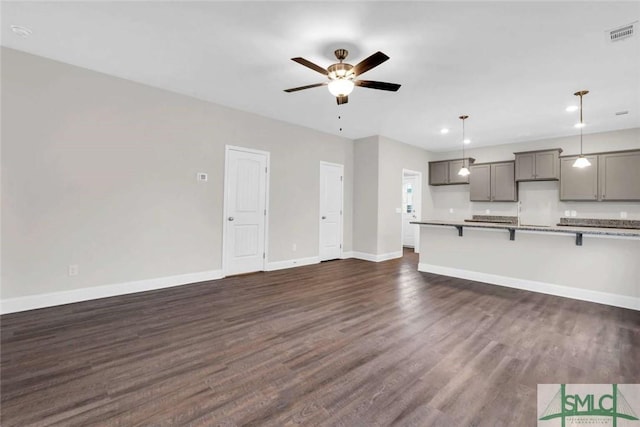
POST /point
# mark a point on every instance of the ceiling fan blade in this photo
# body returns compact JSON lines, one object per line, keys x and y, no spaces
{"x":371,"y":84}
{"x":295,"y":89}
{"x":311,"y":65}
{"x":370,"y":62}
{"x":342,"y":99}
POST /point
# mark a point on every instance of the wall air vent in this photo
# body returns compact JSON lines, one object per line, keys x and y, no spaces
{"x":623,"y":32}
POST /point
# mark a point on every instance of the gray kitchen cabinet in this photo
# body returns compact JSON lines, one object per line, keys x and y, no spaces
{"x":493,"y":182}
{"x":619,"y":176}
{"x":454,"y":168}
{"x":579,"y":183}
{"x":537,"y":165}
{"x":438,"y":173}
{"x":445,"y":172}
{"x":480,"y":183}
{"x":503,"y":182}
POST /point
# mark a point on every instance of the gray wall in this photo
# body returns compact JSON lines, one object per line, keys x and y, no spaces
{"x":365,"y":195}
{"x":540,"y":200}
{"x":101,"y":172}
{"x":378,"y":192}
{"x":395,"y":156}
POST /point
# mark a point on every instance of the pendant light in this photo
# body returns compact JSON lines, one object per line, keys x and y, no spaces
{"x":581,"y":161}
{"x":464,"y":171}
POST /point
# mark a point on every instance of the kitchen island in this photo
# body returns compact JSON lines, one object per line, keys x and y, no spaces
{"x":587,"y":263}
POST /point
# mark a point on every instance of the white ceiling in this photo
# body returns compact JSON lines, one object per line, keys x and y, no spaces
{"x":512,"y":66}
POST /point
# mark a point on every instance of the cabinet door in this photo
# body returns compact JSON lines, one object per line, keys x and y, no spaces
{"x":438,"y":173}
{"x":546,"y":165}
{"x":578,"y":183}
{"x":480,"y":183}
{"x":503,"y":183}
{"x":525,"y":166}
{"x":454,"y":168}
{"x":620,"y":176}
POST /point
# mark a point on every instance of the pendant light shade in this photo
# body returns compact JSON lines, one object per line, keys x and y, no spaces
{"x":581,"y":161}
{"x":464,"y":171}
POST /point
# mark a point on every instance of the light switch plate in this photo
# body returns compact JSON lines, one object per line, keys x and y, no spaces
{"x":623,"y":215}
{"x":203,"y":176}
{"x":574,"y":213}
{"x":398,"y":210}
{"x":567,"y":213}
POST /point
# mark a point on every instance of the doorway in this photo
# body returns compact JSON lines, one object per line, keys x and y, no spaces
{"x":330,"y":215}
{"x":246,"y":188}
{"x":411,"y":208}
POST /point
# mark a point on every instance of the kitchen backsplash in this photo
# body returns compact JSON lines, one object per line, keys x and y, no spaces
{"x":540,"y":205}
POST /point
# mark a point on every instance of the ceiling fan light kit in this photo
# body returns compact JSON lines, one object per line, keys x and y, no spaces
{"x":342,"y":76}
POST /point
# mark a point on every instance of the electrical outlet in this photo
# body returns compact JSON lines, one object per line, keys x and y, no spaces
{"x":73,"y":270}
{"x":567,"y":213}
{"x":623,"y":215}
{"x":487,"y":211}
{"x":574,"y":213}
{"x":398,"y":210}
{"x":450,"y":210}
{"x":294,"y":247}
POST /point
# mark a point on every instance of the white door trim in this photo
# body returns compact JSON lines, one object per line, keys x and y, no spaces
{"x":416,"y":248}
{"x":228,"y":148}
{"x":341,"y":204}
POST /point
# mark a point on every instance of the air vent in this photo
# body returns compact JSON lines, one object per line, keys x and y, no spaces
{"x":621,"y":113}
{"x":622,"y":32}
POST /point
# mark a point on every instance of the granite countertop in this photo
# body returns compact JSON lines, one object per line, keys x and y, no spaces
{"x":547,"y":229}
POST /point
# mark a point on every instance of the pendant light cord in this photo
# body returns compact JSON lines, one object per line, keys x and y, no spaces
{"x":462,"y":142}
{"x":581,"y":124}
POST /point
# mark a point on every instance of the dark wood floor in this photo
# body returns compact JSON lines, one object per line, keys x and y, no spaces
{"x":348,"y":343}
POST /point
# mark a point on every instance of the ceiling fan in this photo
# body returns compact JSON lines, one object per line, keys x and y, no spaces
{"x":342,"y":76}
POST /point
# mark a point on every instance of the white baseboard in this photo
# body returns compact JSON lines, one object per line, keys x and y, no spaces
{"x":280,"y":265}
{"x":377,"y":257}
{"x":32,"y":302}
{"x":347,"y":255}
{"x":606,"y":298}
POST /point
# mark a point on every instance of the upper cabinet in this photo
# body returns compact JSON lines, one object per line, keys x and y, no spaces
{"x":493,"y":182}
{"x":445,"y":172}
{"x":578,"y":183}
{"x":619,"y":176}
{"x":612,"y":176}
{"x":438,"y":173}
{"x":538,"y":165}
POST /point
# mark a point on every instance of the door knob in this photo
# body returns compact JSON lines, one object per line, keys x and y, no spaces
{"x":324,"y":217}
{"x":230,"y":218}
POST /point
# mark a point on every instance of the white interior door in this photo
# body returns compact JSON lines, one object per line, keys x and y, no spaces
{"x":411,"y":204}
{"x":245,"y":210}
{"x":331,"y":176}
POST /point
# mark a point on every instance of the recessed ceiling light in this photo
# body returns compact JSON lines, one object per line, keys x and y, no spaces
{"x":444,"y":131}
{"x":579,"y":125}
{"x":20,"y":31}
{"x":572,"y":108}
{"x":467,"y":141}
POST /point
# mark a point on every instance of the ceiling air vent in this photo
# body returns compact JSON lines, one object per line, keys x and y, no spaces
{"x":622,"y":32}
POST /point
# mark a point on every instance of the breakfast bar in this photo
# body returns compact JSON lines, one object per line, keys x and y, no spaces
{"x":599,"y":264}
